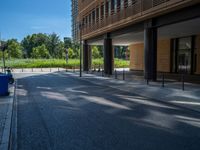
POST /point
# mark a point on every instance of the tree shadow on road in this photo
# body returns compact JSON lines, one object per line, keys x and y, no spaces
{"x":81,"y":115}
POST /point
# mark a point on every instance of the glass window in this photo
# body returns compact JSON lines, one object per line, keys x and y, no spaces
{"x":125,"y":3}
{"x":185,"y":43}
{"x":93,"y":16}
{"x":112,"y":6}
{"x":118,"y":5}
{"x":107,"y":7}
{"x":183,"y":60}
{"x":97,"y":14}
{"x":184,"y":54}
{"x":102,"y":11}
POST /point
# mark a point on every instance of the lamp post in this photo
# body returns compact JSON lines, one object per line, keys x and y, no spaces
{"x":3,"y":48}
{"x":4,"y":64}
{"x":80,"y":30}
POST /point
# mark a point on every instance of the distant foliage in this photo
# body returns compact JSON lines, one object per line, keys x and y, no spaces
{"x":40,"y":52}
{"x":71,"y":53}
{"x":95,"y":52}
{"x":31,"y":45}
{"x":13,"y":49}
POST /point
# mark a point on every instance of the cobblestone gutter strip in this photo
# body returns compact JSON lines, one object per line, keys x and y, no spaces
{"x":4,"y":145}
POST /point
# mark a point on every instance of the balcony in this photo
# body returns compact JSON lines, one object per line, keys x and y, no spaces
{"x":130,"y":13}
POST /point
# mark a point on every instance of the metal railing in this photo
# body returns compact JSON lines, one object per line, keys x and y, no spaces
{"x":163,"y":79}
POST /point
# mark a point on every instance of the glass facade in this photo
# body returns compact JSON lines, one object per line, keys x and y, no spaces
{"x":182,"y":55}
{"x":75,"y":26}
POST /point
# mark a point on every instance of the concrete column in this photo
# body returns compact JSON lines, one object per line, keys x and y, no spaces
{"x":86,"y":57}
{"x":108,"y":55}
{"x":89,"y":57}
{"x":150,"y":52}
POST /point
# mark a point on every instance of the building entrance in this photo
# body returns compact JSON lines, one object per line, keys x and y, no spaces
{"x":183,"y":55}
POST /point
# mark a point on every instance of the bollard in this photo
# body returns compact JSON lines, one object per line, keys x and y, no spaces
{"x":115,"y":74}
{"x":102,"y":73}
{"x":74,"y":69}
{"x":41,"y":70}
{"x":147,"y":80}
{"x":22,"y":70}
{"x":163,"y":80}
{"x":50,"y":69}
{"x":58,"y":69}
{"x":183,"y":82}
{"x":123,"y":74}
{"x":99,"y":68}
{"x":94,"y":69}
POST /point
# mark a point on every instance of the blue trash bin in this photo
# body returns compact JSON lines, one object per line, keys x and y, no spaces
{"x":4,"y":85}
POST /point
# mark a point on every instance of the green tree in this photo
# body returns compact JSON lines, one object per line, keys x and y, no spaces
{"x":32,"y":41}
{"x":14,"y":49}
{"x":3,"y":44}
{"x":67,"y":42}
{"x":27,"y":47}
{"x":100,"y":50}
{"x":53,"y":44}
{"x":60,"y":52}
{"x":40,"y":52}
{"x":76,"y":49}
{"x":71,"y":53}
{"x":95,"y":52}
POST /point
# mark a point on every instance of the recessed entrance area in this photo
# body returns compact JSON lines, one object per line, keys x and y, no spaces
{"x":182,"y":51}
{"x":177,"y":50}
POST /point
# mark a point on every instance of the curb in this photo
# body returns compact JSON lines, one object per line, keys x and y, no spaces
{"x":7,"y":127}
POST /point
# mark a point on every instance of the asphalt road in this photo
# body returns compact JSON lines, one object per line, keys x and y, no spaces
{"x":61,"y":112}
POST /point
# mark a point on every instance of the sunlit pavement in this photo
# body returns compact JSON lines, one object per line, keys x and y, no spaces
{"x":170,"y":93}
{"x":60,"y":111}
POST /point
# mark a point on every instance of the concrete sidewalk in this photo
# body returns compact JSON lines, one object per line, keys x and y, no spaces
{"x":172,"y":93}
{"x":6,"y":110}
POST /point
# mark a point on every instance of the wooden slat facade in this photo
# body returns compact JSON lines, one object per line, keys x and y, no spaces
{"x":101,"y":16}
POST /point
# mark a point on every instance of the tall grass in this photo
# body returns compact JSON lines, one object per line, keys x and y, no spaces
{"x":50,"y":63}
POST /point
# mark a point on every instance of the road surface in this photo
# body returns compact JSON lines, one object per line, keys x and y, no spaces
{"x":61,"y":112}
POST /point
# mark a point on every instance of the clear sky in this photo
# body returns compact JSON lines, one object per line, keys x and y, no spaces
{"x":19,"y":18}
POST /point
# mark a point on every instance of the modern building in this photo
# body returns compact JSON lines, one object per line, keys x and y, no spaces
{"x":75,"y":26}
{"x":163,"y":35}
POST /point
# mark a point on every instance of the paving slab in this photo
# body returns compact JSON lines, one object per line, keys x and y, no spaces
{"x":6,"y":109}
{"x":172,"y":93}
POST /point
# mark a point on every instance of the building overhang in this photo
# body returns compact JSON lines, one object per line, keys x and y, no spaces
{"x":176,"y":30}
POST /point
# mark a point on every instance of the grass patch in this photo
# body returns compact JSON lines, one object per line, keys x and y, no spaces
{"x":118,"y":63}
{"x":51,"y":63}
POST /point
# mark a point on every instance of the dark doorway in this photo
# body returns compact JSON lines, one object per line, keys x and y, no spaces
{"x":182,"y":55}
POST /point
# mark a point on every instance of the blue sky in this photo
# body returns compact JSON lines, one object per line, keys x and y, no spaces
{"x":19,"y":18}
